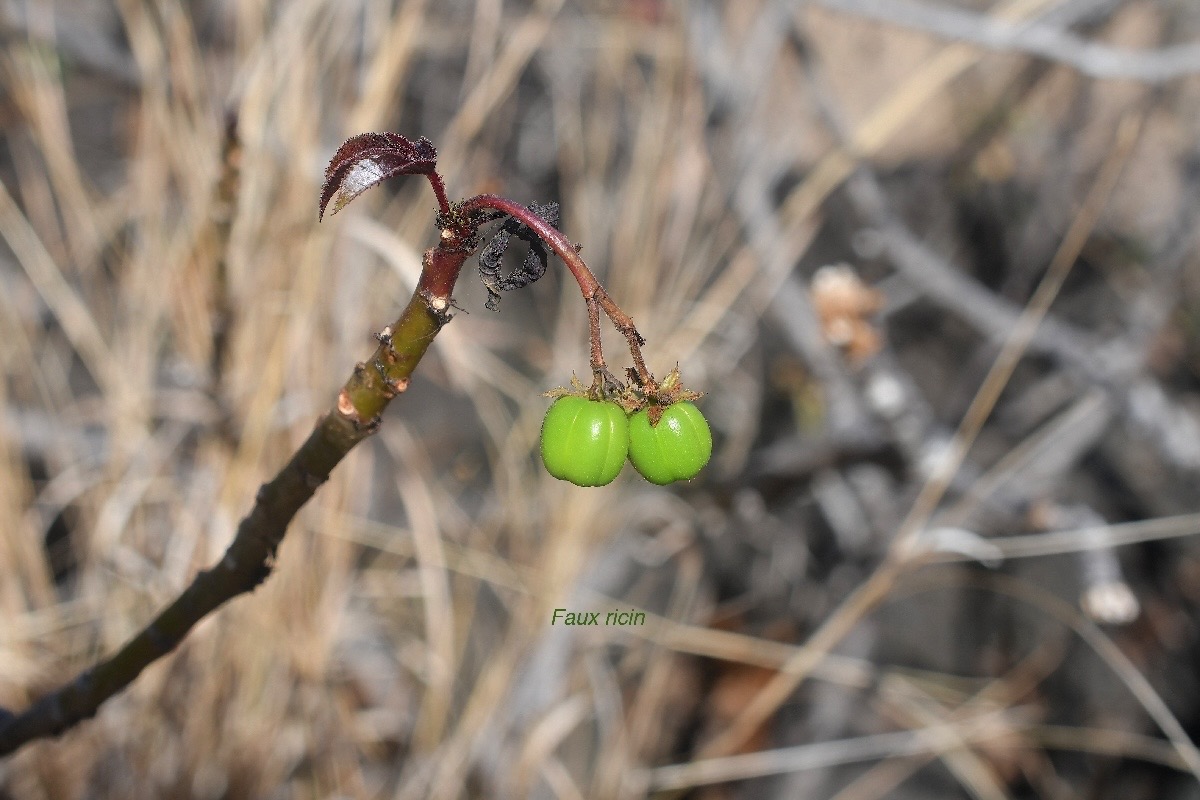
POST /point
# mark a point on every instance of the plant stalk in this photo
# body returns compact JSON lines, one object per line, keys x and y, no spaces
{"x":250,"y":557}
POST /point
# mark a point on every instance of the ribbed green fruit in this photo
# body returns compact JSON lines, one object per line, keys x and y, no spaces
{"x":675,"y":449}
{"x":584,"y":441}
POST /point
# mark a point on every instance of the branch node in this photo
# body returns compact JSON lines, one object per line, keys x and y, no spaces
{"x":394,"y":386}
{"x":439,"y":306}
{"x":345,"y":405}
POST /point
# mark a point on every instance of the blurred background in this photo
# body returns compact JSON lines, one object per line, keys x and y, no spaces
{"x":941,"y":549}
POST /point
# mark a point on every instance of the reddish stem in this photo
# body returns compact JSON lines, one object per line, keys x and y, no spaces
{"x":439,"y":191}
{"x":441,"y":265}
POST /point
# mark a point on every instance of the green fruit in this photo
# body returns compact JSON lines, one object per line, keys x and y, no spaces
{"x":584,"y":441}
{"x":674,"y":450}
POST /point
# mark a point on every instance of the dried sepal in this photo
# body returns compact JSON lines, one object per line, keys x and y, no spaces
{"x":491,"y":258}
{"x":604,"y":386}
{"x":655,"y":398}
{"x":370,"y":158}
{"x":672,"y":389}
{"x":577,"y":389}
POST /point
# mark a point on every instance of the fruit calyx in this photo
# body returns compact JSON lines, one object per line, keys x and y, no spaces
{"x":655,"y":397}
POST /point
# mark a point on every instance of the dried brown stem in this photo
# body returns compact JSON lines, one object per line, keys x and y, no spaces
{"x":624,"y":324}
{"x":597,"y":348}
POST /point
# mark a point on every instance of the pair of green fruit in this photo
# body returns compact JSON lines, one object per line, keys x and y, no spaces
{"x":586,"y":442}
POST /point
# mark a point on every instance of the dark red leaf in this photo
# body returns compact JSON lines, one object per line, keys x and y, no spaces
{"x":370,"y":158}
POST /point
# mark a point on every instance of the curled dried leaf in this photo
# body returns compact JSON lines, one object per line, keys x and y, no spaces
{"x":533,"y":267}
{"x":370,"y":158}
